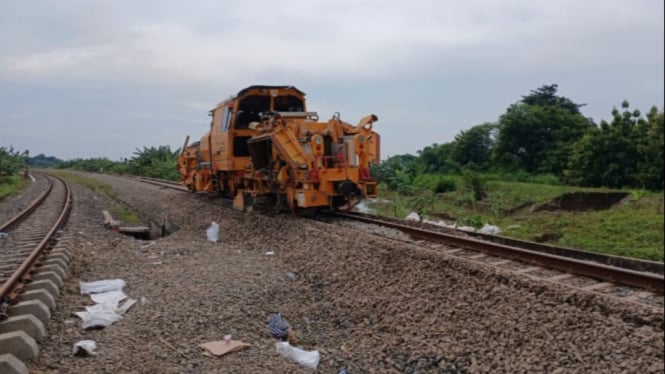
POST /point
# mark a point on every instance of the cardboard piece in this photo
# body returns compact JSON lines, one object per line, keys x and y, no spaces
{"x":221,"y":347}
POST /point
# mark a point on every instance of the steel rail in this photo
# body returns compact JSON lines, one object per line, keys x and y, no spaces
{"x":649,"y":281}
{"x":25,"y":212}
{"x":612,"y":260}
{"x":8,"y":288}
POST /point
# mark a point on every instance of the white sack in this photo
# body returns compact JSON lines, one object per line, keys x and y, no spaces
{"x":101,"y":286}
{"x":308,"y":359}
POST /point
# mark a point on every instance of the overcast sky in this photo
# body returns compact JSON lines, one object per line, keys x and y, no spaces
{"x":82,"y":78}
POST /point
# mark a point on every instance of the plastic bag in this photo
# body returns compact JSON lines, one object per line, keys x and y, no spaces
{"x":85,"y":347}
{"x":213,"y":232}
{"x":101,"y":286}
{"x":309,"y":359}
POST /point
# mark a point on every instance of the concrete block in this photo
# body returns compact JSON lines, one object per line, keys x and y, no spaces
{"x":49,"y":276}
{"x":32,"y":307}
{"x":12,"y":365}
{"x":43,"y":285}
{"x":18,"y":344}
{"x":60,"y":249}
{"x":54,"y":268}
{"x":56,"y":261}
{"x":59,"y":256}
{"x":42,"y":295}
{"x":27,"y":323}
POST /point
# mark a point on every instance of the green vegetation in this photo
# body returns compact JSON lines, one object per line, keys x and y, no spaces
{"x":156,"y":162}
{"x":11,"y":162}
{"x":119,"y":211}
{"x":125,"y":214}
{"x":541,"y":148}
{"x":632,"y":227}
{"x":545,"y":136}
{"x":12,"y":185}
{"x":93,"y":184}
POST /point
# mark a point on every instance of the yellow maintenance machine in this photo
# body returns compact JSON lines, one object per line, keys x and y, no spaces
{"x":267,"y":152}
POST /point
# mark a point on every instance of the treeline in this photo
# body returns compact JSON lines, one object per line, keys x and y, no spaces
{"x":155,"y":162}
{"x":545,"y":138}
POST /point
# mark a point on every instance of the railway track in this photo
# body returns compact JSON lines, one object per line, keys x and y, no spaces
{"x":625,"y":279}
{"x":570,"y":268}
{"x":30,"y":234}
{"x":34,"y":258}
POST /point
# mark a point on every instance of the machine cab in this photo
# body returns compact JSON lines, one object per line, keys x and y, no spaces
{"x":227,"y":140}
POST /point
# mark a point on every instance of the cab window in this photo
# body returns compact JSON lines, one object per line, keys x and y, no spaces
{"x":226,"y":118}
{"x":250,"y":109}
{"x":288,"y":103}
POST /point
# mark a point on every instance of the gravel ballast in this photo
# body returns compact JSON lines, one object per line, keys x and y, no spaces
{"x":366,"y":303}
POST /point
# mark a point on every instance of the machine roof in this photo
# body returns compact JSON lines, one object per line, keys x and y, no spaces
{"x":267,"y":87}
{"x":244,"y":90}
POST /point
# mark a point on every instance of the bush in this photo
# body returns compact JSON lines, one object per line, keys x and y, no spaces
{"x":445,"y":185}
{"x":475,"y":183}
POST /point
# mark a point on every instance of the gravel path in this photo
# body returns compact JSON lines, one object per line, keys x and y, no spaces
{"x":367,"y":303}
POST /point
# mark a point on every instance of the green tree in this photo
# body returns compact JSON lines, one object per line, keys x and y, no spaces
{"x":157,"y":162}
{"x":438,"y":158}
{"x":616,"y":154}
{"x":537,"y":133}
{"x":11,"y":161}
{"x":398,"y":172}
{"x":474,"y":146}
{"x":650,"y":167}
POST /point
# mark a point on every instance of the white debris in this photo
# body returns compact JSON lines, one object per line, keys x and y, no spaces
{"x":466,"y":228}
{"x":109,"y":298}
{"x":309,"y":359}
{"x":213,"y":232}
{"x":106,"y":310}
{"x":85,"y":347}
{"x":270,"y":253}
{"x":101,"y":286}
{"x":489,"y":229}
{"x":413,"y":216}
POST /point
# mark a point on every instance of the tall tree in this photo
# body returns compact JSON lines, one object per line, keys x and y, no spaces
{"x":474,"y":146}
{"x":537,"y":133}
{"x":438,"y":157}
{"x":650,"y":167}
{"x":620,"y":153}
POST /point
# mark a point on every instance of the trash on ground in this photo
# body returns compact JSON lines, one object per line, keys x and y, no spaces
{"x":101,"y":286}
{"x":213,"y":232}
{"x":222,"y":347}
{"x":84,"y":347}
{"x":413,"y":216}
{"x":106,"y":309}
{"x":270,"y":253}
{"x":291,"y":275}
{"x":305,"y":358}
{"x":279,"y":326}
{"x":3,"y":235}
{"x":489,"y":229}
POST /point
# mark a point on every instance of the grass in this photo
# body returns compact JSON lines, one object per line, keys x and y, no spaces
{"x":93,"y":184}
{"x":12,"y":185}
{"x":121,"y":212}
{"x":125,"y":214}
{"x":633,"y":227}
